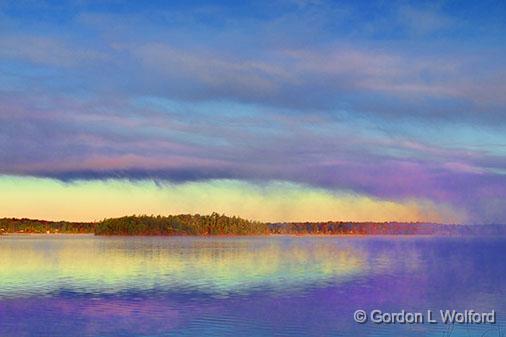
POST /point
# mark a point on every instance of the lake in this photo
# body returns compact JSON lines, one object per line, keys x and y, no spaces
{"x":82,"y":285}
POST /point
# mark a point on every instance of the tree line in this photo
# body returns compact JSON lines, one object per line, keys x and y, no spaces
{"x":182,"y":224}
{"x":10,"y":225}
{"x":216,"y":224}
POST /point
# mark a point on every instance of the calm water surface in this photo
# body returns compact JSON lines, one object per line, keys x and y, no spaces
{"x":67,"y":285}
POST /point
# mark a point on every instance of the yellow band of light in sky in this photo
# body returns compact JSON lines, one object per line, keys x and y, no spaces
{"x":90,"y":200}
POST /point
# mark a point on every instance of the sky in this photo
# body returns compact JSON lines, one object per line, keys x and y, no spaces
{"x":286,"y":110}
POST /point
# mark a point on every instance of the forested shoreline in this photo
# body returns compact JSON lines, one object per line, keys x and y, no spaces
{"x":13,"y":225}
{"x":183,"y":224}
{"x":216,"y":224}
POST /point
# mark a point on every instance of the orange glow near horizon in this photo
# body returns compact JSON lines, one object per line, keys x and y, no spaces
{"x":93,"y":200}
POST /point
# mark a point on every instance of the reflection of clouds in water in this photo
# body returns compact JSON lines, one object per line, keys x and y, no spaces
{"x":32,"y":265}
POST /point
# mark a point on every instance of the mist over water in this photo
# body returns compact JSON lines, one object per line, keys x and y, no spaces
{"x":91,"y":286}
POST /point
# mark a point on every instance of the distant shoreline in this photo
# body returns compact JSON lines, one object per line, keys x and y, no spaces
{"x":225,"y":236}
{"x":216,"y":225}
{"x":434,"y":235}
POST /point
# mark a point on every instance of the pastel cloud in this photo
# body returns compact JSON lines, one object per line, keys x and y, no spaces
{"x":170,"y":57}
